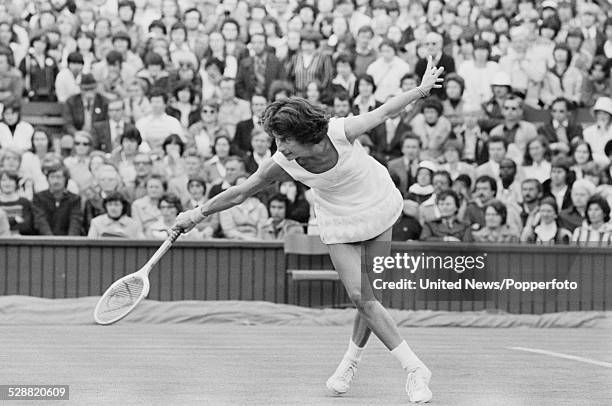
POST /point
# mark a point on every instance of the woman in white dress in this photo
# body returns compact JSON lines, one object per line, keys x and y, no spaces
{"x":356,"y":204}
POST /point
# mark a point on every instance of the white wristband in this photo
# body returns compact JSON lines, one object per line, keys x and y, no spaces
{"x":423,"y":94}
{"x":196,"y":215}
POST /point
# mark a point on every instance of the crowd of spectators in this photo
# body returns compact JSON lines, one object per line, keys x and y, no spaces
{"x":161,"y":103}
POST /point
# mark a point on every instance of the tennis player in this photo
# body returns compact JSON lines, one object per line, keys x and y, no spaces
{"x":356,"y":204}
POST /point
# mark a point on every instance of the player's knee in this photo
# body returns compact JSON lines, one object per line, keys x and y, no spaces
{"x":356,"y":297}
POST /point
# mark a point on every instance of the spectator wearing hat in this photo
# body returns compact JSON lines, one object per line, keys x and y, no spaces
{"x":501,"y":88}
{"x":560,"y":130}
{"x":257,"y":71}
{"x":478,"y":75}
{"x":559,"y":186}
{"x":39,"y":70}
{"x":82,"y":110}
{"x":309,"y":64}
{"x":448,"y":227}
{"x":387,"y":71}
{"x":525,"y":67}
{"x":598,"y":82}
{"x":598,"y":134}
{"x":422,"y":189}
{"x":573,"y":216}
{"x":11,"y":82}
{"x":56,"y":210}
{"x":68,"y":78}
{"x":561,"y":79}
{"x":406,"y":166}
{"x":115,"y":221}
{"x":432,"y":128}
{"x":593,"y":37}
{"x":516,"y":131}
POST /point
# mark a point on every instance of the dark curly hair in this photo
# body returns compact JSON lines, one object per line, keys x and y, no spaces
{"x":295,"y":118}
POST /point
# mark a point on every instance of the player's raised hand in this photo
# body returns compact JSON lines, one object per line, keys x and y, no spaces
{"x":431,"y":78}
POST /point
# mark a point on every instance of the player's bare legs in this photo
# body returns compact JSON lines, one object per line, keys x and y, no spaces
{"x":347,"y":259}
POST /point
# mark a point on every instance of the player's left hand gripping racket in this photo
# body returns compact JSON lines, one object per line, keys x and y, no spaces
{"x":125,"y":294}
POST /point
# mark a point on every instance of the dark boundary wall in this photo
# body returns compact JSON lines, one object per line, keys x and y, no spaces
{"x":227,"y":270}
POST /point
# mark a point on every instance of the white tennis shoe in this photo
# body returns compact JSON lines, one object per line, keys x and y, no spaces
{"x":340,"y":381}
{"x":417,"y":385}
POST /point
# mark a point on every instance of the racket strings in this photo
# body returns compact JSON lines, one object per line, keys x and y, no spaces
{"x":121,"y":298}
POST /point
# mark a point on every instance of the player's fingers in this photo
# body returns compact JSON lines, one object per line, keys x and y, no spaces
{"x":439,"y":71}
{"x":429,"y":64}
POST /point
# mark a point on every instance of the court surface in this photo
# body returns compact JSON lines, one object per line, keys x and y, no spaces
{"x":223,"y":364}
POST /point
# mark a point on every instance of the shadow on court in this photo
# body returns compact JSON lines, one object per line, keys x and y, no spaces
{"x":216,"y":364}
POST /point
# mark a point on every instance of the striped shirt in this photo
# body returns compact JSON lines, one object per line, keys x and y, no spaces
{"x":586,"y":235}
{"x":320,"y":68}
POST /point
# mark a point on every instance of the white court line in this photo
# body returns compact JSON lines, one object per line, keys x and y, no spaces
{"x":559,"y":355}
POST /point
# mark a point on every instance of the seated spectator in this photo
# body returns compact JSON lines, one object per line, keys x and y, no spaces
{"x":313,"y":94}
{"x":453,"y":104}
{"x":115,"y":221}
{"x":129,"y":63}
{"x":10,"y":160}
{"x":448,"y":227}
{"x":309,"y":64}
{"x":234,"y":167}
{"x":432,"y":127}
{"x":56,"y":210}
{"x":243,"y":221}
{"x":11,"y":82}
{"x":137,"y":104}
{"x":496,"y":229}
{"x":107,"y":182}
{"x":169,"y":207}
{"x":260,"y":142}
{"x":387,"y":137}
{"x":39,"y":70}
{"x":531,"y":194}
{"x":14,"y":132}
{"x":123,"y":156}
{"x":514,"y":130}
{"x":596,"y":229}
{"x":154,"y":72}
{"x":158,"y":125}
{"x":433,"y":47}
{"x":562,"y":79}
{"x":211,"y":78}
{"x":244,"y":129}
{"x":501,"y":87}
{"x":193,"y":168}
{"x":214,"y":168}
{"x":583,"y":157}
{"x":509,"y":186}
{"x":341,"y":104}
{"x":452,"y":160}
{"x":408,"y":82}
{"x":278,"y":225}
{"x":18,"y":209}
{"x":184,"y":107}
{"x":546,"y":228}
{"x":298,"y":207}
{"x":232,"y":110}
{"x":197,"y":197}
{"x":485,"y":189}
{"x":67,"y":79}
{"x":597,"y":84}
{"x":560,"y":130}
{"x":365,"y":100}
{"x":171,"y":163}
{"x":344,"y":65}
{"x":407,"y":226}
{"x":496,"y":151}
{"x":387,"y":71}
{"x":536,"y":161}
{"x":106,"y":134}
{"x":179,"y":48}
{"x":82,"y":110}
{"x":257,"y":71}
{"x":428,"y":210}
{"x":365,"y":55}
{"x":422,"y":189}
{"x":598,"y":134}
{"x":202,"y":133}
{"x":572,"y":217}
{"x":406,"y":166}
{"x":560,"y":183}
{"x":78,"y":164}
{"x":146,"y":209}
{"x":478,"y":74}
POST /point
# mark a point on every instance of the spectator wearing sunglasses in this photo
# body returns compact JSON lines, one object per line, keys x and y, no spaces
{"x":514,"y":129}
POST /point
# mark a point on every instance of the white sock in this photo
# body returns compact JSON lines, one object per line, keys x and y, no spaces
{"x":354,"y":352}
{"x":406,"y":357}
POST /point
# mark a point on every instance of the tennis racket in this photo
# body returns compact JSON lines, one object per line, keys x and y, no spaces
{"x":125,"y":294}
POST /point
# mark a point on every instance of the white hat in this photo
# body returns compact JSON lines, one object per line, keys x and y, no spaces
{"x":501,"y":78}
{"x":549,"y":4}
{"x":603,"y":104}
{"x":428,"y":165}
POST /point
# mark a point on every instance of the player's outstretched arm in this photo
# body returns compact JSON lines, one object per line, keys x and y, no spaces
{"x":268,"y":173}
{"x":358,"y":125}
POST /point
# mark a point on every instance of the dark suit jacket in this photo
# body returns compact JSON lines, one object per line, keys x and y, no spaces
{"x":194,"y":115}
{"x":245,"y":78}
{"x":101,"y":136}
{"x":573,"y":130}
{"x":65,"y":219}
{"x":398,"y":167}
{"x":383,"y":150}
{"x":446,"y":61}
{"x":567,"y":198}
{"x":73,"y":112}
{"x":242,"y":137}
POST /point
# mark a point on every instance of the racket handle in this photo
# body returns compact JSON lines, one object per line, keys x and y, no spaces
{"x":174,"y":235}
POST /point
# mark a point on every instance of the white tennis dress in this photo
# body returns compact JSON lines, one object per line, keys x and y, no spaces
{"x":355,"y":200}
